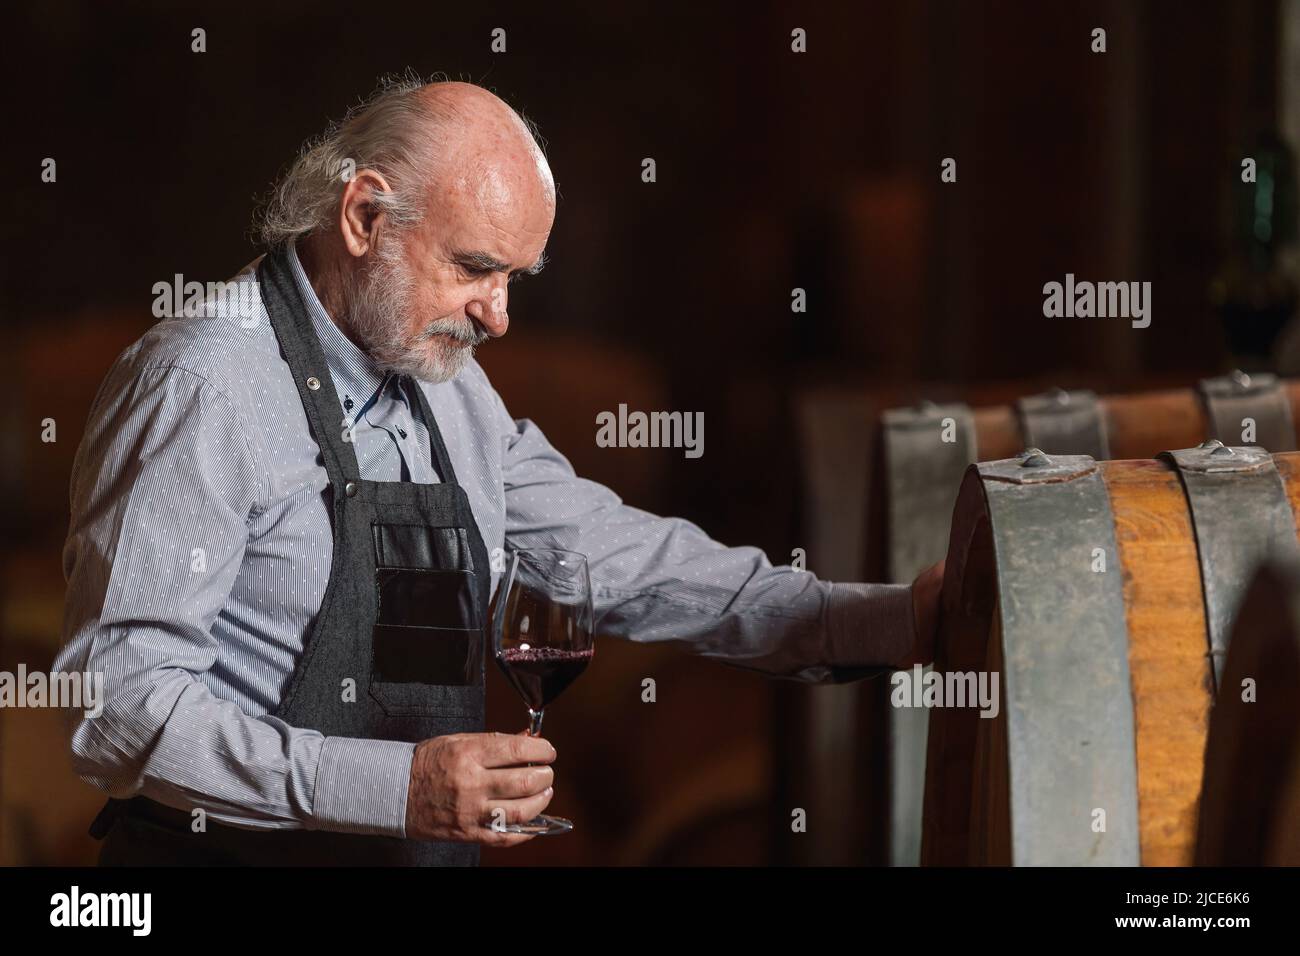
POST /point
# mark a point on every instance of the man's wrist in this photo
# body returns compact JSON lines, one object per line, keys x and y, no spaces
{"x":869,"y":625}
{"x":362,"y":785}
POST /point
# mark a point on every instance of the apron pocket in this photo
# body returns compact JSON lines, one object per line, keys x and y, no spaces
{"x":426,"y":597}
{"x":427,"y":643}
{"x":421,"y":546}
{"x":427,"y":655}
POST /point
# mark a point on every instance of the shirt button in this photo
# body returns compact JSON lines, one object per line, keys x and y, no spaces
{"x":313,"y":383}
{"x":350,"y":489}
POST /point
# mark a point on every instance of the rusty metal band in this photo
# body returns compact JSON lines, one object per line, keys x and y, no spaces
{"x":924,"y":473}
{"x":1065,"y":683}
{"x":1062,"y":422}
{"x":1241,"y":517}
{"x":1230,"y":399}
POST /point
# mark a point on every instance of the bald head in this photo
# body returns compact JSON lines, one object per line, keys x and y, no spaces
{"x":477,"y":128}
{"x":413,"y":215}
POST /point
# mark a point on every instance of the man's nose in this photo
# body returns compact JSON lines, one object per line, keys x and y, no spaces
{"x":490,"y":311}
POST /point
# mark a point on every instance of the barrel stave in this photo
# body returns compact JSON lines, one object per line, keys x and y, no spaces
{"x":1168,"y":652}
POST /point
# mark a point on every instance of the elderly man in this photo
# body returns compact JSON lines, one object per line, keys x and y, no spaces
{"x":244,"y":483}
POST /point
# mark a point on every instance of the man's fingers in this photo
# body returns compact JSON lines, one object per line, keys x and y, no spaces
{"x":517,"y":783}
{"x":502,"y":812}
{"x":505,"y":840}
{"x":511,"y":750}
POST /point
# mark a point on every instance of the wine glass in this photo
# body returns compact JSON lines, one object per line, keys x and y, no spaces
{"x":542,"y":639}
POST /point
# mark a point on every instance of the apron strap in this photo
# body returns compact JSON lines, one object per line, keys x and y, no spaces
{"x":311,"y":374}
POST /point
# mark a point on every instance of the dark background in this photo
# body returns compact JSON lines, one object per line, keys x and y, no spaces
{"x":775,"y":170}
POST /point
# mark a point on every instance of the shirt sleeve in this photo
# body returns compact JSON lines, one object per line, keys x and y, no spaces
{"x":657,"y":579}
{"x":163,"y":488}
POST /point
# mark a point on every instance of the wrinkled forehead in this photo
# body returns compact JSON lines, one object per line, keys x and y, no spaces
{"x":505,"y":199}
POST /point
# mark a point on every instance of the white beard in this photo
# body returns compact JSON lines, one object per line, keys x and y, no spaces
{"x":378,"y":307}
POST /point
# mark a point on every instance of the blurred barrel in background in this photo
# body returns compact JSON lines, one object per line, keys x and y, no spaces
{"x":1102,"y":593}
{"x":925,"y":450}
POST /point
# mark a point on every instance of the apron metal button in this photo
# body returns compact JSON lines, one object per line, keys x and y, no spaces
{"x":350,"y":489}
{"x":313,"y":383}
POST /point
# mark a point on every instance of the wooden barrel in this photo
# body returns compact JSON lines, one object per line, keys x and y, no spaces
{"x":1098,"y":597}
{"x":1250,"y":800}
{"x":922,"y":452}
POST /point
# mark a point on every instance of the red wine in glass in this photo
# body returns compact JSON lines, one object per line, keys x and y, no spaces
{"x":540,"y":673}
{"x":542,"y":639}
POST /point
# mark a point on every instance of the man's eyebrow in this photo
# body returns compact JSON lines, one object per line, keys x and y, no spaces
{"x":490,"y":263}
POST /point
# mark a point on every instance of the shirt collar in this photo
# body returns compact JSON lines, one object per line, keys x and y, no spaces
{"x":354,"y":372}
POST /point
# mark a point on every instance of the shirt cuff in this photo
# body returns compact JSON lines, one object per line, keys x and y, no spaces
{"x":869,"y":625}
{"x":361,"y":786}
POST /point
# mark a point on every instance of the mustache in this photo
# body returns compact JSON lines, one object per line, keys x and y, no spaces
{"x":467,"y":333}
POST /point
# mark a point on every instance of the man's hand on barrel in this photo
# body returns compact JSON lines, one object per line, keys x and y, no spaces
{"x":925,"y":615}
{"x":463,"y":783}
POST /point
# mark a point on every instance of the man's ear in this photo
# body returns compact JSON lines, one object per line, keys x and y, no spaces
{"x":359,"y":214}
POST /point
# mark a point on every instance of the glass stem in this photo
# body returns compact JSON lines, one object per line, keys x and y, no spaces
{"x":535,"y":722}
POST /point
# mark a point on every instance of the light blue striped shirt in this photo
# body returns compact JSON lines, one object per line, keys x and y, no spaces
{"x":200,"y":546}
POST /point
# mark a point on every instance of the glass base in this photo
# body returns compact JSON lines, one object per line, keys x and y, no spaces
{"x":542,"y":825}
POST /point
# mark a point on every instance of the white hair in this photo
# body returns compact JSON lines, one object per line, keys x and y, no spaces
{"x":392,"y":132}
